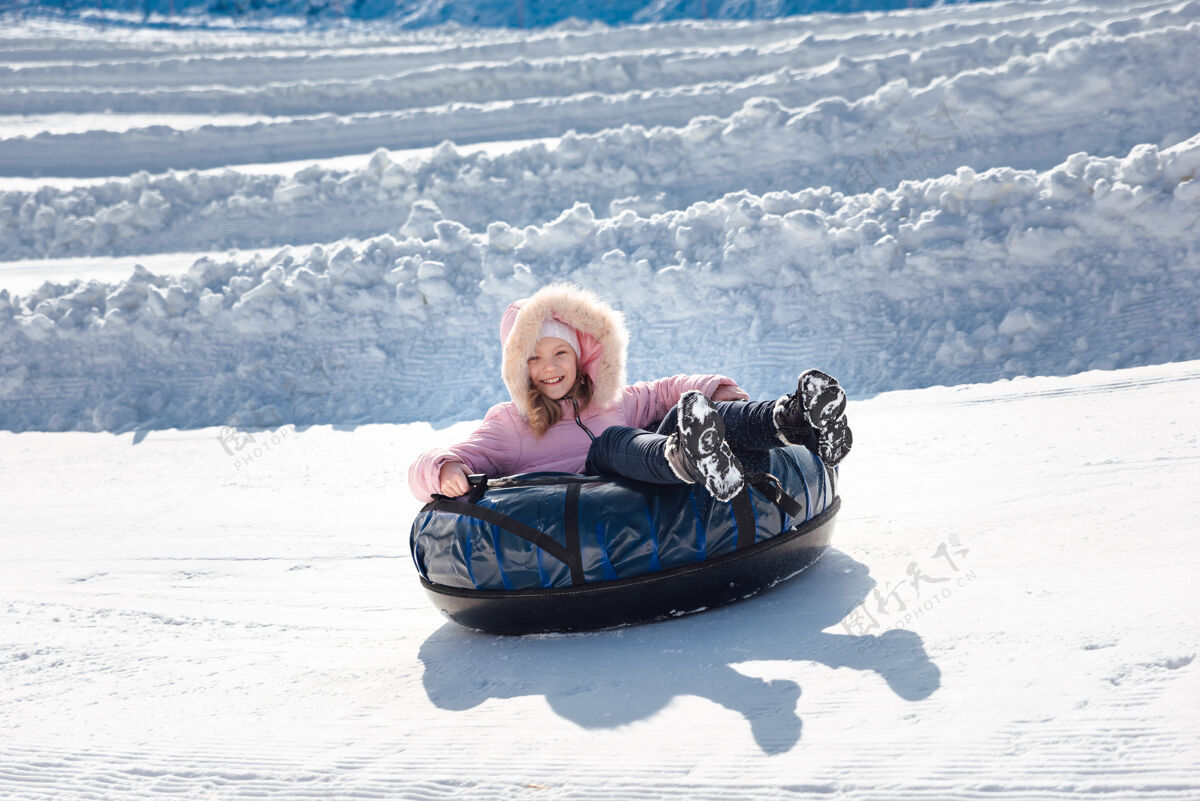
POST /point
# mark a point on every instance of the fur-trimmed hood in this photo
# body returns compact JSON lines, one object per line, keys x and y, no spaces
{"x":603,"y":340}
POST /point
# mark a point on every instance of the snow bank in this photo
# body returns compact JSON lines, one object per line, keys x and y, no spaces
{"x":274,"y":79}
{"x":967,"y":277}
{"x":1096,"y":87}
{"x":1098,"y":92}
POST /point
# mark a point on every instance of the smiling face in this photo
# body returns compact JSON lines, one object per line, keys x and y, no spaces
{"x":553,"y":367}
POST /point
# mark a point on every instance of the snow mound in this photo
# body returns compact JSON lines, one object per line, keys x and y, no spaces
{"x":1102,"y":87}
{"x":967,"y":277}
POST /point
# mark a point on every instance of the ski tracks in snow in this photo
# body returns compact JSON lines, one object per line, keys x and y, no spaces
{"x":851,"y":106}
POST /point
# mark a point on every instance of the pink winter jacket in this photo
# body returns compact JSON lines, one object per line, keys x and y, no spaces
{"x":505,"y":444}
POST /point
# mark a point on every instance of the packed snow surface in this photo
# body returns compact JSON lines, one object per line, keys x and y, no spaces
{"x":250,"y":272}
{"x":1008,"y":612}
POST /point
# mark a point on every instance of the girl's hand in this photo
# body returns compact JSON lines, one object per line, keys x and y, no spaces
{"x":729,"y":392}
{"x":452,"y":479}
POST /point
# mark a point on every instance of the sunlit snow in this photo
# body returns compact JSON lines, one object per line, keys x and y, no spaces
{"x":250,"y":269}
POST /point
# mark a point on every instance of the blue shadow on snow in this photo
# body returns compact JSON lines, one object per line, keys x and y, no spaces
{"x":611,"y":678}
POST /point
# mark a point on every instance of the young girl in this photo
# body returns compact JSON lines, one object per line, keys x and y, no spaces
{"x":571,"y":411}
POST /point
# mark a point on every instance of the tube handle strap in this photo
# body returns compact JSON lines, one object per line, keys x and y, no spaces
{"x":515,"y":527}
{"x":478,"y":482}
{"x":770,"y":486}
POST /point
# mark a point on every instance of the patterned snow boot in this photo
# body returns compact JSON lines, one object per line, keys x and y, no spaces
{"x":697,"y":451}
{"x":834,"y":442}
{"x":814,"y":416}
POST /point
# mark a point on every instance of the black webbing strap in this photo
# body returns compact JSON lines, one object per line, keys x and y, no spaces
{"x":743,"y":515}
{"x":768,"y":485}
{"x":571,"y":526}
{"x":517,"y":529}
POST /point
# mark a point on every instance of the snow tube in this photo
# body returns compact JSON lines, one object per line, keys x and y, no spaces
{"x":558,"y":552}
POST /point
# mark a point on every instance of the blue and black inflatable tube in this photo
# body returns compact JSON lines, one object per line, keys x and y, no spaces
{"x":561,"y":552}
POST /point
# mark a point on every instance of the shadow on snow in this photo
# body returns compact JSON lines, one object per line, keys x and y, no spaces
{"x":611,"y":678}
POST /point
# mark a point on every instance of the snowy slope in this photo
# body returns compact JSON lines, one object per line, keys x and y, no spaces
{"x":208,"y":624}
{"x":924,"y":99}
{"x":1113,"y":98}
{"x":274,"y":259}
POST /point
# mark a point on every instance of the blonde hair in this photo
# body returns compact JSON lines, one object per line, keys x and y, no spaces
{"x":544,"y":412}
